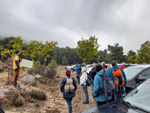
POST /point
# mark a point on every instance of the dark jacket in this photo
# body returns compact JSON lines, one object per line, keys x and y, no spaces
{"x":92,"y":73}
{"x":62,"y":85}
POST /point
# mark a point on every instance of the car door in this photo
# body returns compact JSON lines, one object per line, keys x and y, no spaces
{"x":144,"y":75}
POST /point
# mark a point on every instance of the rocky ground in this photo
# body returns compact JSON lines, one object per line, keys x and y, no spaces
{"x":55,"y":102}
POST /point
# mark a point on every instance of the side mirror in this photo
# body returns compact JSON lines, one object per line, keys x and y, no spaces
{"x":140,"y":79}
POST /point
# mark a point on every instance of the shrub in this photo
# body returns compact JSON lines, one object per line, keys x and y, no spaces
{"x":2,"y":69}
{"x":37,"y":105}
{"x":19,"y":101}
{"x":31,"y":71}
{"x":53,"y":64}
{"x":49,"y":73}
{"x":36,"y":94}
{"x":40,"y":70}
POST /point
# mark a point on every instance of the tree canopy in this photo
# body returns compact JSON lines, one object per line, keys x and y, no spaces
{"x":87,"y":49}
{"x":143,"y":55}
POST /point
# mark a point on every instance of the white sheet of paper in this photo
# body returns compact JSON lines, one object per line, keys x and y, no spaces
{"x":27,"y":63}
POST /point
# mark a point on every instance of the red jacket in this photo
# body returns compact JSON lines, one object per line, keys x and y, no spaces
{"x":122,"y":67}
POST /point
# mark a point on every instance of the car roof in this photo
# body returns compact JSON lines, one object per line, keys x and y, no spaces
{"x":143,"y":65}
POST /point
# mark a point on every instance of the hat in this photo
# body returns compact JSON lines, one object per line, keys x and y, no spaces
{"x":17,"y":51}
{"x":68,"y":71}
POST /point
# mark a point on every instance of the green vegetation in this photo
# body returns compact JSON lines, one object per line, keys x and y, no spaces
{"x":2,"y":69}
{"x":48,"y":54}
{"x":87,"y":49}
{"x":19,"y":101}
{"x":37,"y":94}
{"x":144,"y":53}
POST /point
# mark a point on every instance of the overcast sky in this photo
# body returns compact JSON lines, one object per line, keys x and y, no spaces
{"x":126,"y":22}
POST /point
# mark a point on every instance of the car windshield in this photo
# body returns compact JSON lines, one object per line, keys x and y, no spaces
{"x":88,"y":66}
{"x":140,"y":97}
{"x":132,"y":71}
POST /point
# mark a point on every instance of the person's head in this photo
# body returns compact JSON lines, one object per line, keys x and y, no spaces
{"x":114,"y":63}
{"x":98,"y":67}
{"x":83,"y":69}
{"x":105,"y":66}
{"x":68,"y":71}
{"x":103,"y":63}
{"x":123,"y":63}
{"x":17,"y":52}
{"x":108,"y":66}
{"x":94,"y":65}
{"x":76,"y":64}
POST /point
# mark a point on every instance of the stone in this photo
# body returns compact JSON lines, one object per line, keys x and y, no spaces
{"x":8,"y":95}
{"x":28,"y":79}
{"x":37,"y":76}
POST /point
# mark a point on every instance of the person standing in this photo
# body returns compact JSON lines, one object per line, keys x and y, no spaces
{"x":120,"y":81}
{"x":123,"y":65}
{"x":100,"y":98}
{"x":68,"y":87}
{"x":83,"y":79}
{"x":78,"y":72}
{"x":16,"y":66}
{"x":93,"y":71}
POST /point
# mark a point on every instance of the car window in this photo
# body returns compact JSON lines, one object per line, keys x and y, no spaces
{"x":140,"y":97}
{"x":132,"y":72}
{"x":145,"y":74}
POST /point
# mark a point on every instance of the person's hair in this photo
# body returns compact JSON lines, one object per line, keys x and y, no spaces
{"x":114,"y":63}
{"x":123,"y":63}
{"x":83,"y":69}
{"x":98,"y":67}
{"x":68,"y":71}
{"x":105,"y":66}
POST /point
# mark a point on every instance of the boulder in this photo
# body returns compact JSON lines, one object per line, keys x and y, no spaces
{"x":28,"y":79}
{"x":37,"y":76}
{"x":8,"y":95}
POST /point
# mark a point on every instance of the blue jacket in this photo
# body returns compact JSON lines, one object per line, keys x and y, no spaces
{"x":116,"y":67}
{"x":98,"y":84}
{"x":78,"y":69}
{"x":62,"y":85}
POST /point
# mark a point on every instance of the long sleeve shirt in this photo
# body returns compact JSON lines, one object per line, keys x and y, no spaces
{"x":83,"y":78}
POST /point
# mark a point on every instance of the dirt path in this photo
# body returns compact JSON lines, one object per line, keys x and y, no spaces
{"x":54,"y":100}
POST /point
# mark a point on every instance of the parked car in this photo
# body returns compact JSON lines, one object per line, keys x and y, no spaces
{"x":136,"y":101}
{"x":127,"y":65}
{"x":88,"y":68}
{"x":136,"y":74}
{"x":72,"y":67}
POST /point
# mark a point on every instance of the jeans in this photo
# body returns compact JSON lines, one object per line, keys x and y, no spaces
{"x":85,"y":92}
{"x":78,"y":76}
{"x":69,"y":102}
{"x":119,"y":93}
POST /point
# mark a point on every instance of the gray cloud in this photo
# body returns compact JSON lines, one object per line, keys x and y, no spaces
{"x":121,"y":21}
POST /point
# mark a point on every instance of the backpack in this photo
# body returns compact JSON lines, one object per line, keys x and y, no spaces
{"x":89,"y":81}
{"x":108,"y":85}
{"x":69,"y":87}
{"x":118,"y":78}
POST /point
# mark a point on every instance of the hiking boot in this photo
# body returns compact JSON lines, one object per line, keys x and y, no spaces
{"x":85,"y":102}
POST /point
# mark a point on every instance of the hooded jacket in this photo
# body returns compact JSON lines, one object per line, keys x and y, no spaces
{"x":98,"y":84}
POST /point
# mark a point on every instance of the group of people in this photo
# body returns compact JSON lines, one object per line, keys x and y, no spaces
{"x":99,"y":74}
